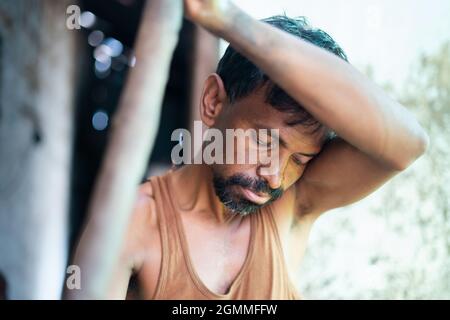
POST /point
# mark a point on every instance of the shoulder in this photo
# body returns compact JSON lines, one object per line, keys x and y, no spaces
{"x":145,"y":206}
{"x":288,"y":211}
{"x":144,"y":210}
{"x":142,"y":230}
{"x":283,"y":211}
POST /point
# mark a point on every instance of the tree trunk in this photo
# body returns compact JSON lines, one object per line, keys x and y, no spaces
{"x":132,"y":137}
{"x":36,"y":107}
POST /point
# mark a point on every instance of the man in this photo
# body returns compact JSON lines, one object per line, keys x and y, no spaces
{"x":235,"y":231}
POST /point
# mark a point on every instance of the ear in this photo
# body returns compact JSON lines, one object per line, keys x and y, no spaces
{"x":213,"y":99}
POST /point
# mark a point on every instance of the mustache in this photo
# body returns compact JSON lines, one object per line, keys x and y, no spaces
{"x":255,"y":185}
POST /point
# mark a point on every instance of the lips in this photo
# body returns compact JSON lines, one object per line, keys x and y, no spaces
{"x":254,"y":197}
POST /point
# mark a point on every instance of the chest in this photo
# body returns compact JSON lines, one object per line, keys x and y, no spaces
{"x":216,"y":255}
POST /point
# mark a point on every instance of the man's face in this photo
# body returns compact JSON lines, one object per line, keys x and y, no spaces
{"x":244,"y":188}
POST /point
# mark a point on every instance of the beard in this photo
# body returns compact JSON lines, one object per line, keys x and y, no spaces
{"x":225,"y":189}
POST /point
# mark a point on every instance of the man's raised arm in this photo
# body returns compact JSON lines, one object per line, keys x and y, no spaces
{"x":378,"y":136}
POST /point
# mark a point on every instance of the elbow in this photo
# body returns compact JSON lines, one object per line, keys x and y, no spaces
{"x":424,"y":142}
{"x":417,"y":148}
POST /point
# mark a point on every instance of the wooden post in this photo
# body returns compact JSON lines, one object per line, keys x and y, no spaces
{"x":204,"y":62}
{"x":133,"y":133}
{"x":37,"y":82}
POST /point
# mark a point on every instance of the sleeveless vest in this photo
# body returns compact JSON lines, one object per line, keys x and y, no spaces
{"x":263,"y":275}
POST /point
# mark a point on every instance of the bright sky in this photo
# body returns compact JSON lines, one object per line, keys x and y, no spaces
{"x":387,"y":34}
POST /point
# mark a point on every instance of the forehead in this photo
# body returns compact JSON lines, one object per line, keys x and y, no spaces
{"x":253,"y":111}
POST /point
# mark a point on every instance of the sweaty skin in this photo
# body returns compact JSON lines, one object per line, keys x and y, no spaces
{"x":377,"y":139}
{"x":210,"y":227}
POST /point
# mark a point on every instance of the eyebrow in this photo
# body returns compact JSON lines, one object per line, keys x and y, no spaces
{"x":284,"y":144}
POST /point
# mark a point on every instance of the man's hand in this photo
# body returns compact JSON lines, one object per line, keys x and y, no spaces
{"x":210,"y":14}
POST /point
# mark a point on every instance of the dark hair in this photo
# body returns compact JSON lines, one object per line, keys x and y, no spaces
{"x":241,"y":77}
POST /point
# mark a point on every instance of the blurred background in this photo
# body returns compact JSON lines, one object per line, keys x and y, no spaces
{"x":59,"y":89}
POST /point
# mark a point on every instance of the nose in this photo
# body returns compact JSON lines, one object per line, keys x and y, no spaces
{"x":274,"y":179}
{"x":273,"y":171}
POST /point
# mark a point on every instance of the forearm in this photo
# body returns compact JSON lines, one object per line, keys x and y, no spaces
{"x":132,"y":137}
{"x":331,"y":89}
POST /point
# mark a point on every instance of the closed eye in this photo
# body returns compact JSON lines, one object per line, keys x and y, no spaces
{"x":263,"y":142}
{"x":301,"y":160}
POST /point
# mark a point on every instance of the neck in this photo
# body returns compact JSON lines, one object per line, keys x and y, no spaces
{"x":195,"y":193}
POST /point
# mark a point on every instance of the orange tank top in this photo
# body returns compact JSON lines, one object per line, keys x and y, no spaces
{"x":263,"y":275}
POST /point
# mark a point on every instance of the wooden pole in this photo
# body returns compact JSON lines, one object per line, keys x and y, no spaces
{"x":133,"y":134}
